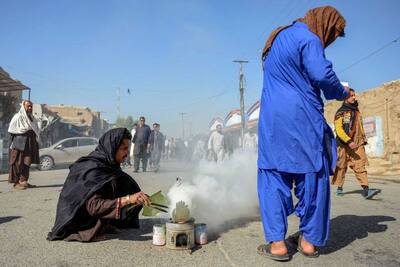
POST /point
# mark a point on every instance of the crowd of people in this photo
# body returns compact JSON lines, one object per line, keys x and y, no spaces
{"x":295,"y":147}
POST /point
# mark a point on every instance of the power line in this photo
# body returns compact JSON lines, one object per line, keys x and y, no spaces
{"x":370,"y":55}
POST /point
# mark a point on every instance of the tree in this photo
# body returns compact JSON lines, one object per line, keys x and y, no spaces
{"x":129,"y":122}
{"x":125,"y":122}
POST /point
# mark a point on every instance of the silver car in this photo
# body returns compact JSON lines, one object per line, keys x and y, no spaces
{"x":66,"y":151}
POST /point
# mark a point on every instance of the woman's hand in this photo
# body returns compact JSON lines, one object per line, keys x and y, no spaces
{"x":140,"y":198}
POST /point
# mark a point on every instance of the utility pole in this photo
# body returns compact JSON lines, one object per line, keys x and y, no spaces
{"x":241,"y":91}
{"x":118,"y":103}
{"x":183,"y":124}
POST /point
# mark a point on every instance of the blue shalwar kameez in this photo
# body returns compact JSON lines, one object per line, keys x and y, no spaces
{"x":296,"y":146}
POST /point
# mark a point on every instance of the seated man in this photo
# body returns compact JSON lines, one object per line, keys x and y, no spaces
{"x":96,"y":191}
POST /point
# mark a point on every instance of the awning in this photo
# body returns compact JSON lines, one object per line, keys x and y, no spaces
{"x":8,"y":84}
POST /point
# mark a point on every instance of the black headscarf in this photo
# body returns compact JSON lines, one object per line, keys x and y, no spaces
{"x":87,"y":176}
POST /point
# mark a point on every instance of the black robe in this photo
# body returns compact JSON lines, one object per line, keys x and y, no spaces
{"x":98,"y":173}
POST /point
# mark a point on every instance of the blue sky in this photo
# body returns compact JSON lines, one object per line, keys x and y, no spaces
{"x":175,"y":56}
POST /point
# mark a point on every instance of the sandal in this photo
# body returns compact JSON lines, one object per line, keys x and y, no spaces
{"x":315,"y":254}
{"x":265,"y":250}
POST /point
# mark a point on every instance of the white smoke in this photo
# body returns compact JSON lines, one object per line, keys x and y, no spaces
{"x":220,"y":192}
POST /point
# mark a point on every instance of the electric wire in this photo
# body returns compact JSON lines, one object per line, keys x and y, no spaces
{"x":370,"y":54}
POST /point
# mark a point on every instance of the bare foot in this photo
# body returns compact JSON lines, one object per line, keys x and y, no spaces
{"x":27,"y":185}
{"x":307,"y":246}
{"x":279,"y":248}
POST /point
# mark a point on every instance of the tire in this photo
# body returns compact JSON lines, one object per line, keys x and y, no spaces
{"x":46,"y":163}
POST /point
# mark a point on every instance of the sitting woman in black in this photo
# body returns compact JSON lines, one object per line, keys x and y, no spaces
{"x":96,"y":191}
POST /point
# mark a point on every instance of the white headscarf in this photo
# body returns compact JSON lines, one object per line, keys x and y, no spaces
{"x":21,"y":123}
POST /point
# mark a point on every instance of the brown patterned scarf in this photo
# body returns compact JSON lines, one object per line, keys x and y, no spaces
{"x":326,"y":22}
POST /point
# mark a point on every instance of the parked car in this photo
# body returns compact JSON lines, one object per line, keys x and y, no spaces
{"x":66,"y":151}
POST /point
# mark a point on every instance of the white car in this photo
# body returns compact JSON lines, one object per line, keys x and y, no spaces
{"x":66,"y":151}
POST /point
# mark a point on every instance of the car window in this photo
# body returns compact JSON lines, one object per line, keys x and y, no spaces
{"x":69,"y":143}
{"x":86,"y":142}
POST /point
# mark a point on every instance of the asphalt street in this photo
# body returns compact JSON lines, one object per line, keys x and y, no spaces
{"x":363,"y":232}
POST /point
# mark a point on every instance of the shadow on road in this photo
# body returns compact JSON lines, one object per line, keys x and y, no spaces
{"x":347,"y":228}
{"x":8,"y":219}
{"x":229,"y":225}
{"x":50,"y":185}
{"x":145,"y":231}
{"x":360,"y":191}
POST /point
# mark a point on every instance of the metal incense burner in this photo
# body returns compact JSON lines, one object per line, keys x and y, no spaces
{"x":180,"y":229}
{"x":180,"y":236}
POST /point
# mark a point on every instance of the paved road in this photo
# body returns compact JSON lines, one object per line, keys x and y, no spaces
{"x":363,"y":233}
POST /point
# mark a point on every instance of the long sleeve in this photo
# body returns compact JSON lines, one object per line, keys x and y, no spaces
{"x":340,"y":132}
{"x":99,"y":207}
{"x":320,"y":71}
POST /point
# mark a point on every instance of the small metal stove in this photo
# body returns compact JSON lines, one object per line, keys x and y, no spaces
{"x":180,"y":236}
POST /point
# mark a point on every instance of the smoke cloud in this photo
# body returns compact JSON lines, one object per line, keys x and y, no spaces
{"x":220,"y":192}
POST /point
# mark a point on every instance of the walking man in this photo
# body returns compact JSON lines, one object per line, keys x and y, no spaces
{"x":216,"y":144}
{"x":296,"y":145}
{"x":24,"y":149}
{"x":141,"y":140}
{"x":250,"y":141}
{"x":351,"y":140}
{"x":156,"y":146}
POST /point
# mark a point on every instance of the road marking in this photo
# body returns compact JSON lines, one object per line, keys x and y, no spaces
{"x":228,"y":259}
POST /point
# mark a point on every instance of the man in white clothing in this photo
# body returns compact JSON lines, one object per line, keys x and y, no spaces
{"x":216,"y":144}
{"x":250,"y":141}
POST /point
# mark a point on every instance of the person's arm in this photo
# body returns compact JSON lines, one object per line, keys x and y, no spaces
{"x":100,"y":207}
{"x":134,"y":137}
{"x":340,"y":132}
{"x":320,"y":71}
{"x":162,"y":142}
{"x":151,"y":141}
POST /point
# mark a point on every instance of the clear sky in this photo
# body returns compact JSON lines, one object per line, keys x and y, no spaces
{"x":175,"y":56}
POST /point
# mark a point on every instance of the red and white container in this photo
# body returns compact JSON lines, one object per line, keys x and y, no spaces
{"x":200,"y":230}
{"x":159,"y":234}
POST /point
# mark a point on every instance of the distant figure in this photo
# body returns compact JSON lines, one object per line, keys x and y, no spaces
{"x":132,"y":148}
{"x":216,"y":144}
{"x":229,"y":144}
{"x":250,"y":141}
{"x":96,"y":193}
{"x":166,"y":148}
{"x":141,"y":140}
{"x":199,"y":150}
{"x":24,"y":149}
{"x":172,"y":148}
{"x":156,"y":146}
{"x":296,"y":146}
{"x":351,"y":141}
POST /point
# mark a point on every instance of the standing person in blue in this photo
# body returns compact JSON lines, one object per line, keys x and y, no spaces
{"x":141,"y":141}
{"x":296,"y":146}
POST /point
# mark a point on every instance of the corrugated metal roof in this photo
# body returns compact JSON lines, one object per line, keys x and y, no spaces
{"x":7,"y":83}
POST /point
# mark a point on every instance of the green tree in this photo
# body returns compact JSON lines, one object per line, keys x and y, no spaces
{"x":125,"y":122}
{"x":129,"y":122}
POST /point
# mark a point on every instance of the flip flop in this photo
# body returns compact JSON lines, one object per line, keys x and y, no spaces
{"x":315,"y":254}
{"x":265,"y":250}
